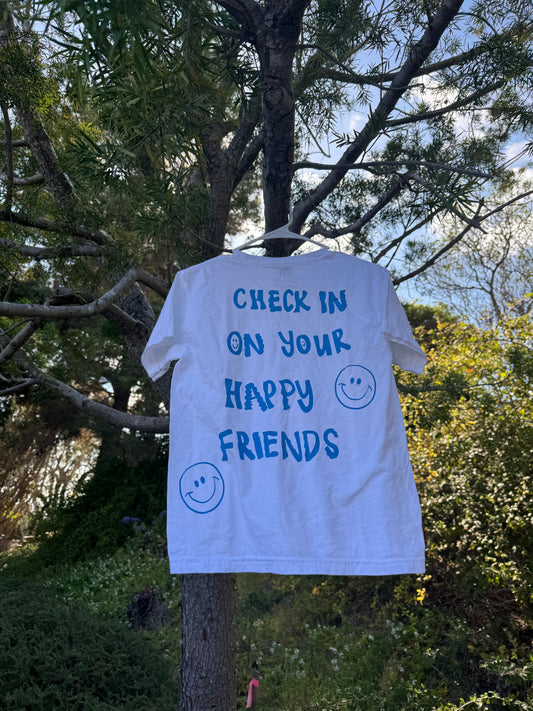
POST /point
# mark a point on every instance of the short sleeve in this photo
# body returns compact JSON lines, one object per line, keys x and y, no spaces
{"x":405,"y":350}
{"x":167,"y":341}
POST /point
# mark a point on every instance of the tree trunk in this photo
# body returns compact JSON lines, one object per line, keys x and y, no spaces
{"x":276,"y":44}
{"x":208,"y":643}
{"x":208,"y":614}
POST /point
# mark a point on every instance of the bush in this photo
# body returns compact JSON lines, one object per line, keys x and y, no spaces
{"x":471,"y":441}
{"x":54,"y":656}
{"x":91,"y":524}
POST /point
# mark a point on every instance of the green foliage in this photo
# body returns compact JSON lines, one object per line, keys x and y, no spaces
{"x":24,"y":80}
{"x":91,"y":523}
{"x":365,"y":644}
{"x":471,"y":441}
{"x":106,"y":584}
{"x":59,"y":656}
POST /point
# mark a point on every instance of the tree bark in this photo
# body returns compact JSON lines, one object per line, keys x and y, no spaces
{"x":226,"y":167}
{"x":208,"y":643}
{"x":276,"y":42}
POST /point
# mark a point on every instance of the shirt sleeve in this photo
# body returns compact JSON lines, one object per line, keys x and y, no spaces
{"x":405,"y":350}
{"x":166,"y":342}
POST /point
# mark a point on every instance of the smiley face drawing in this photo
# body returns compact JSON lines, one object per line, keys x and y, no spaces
{"x":202,"y":487}
{"x":234,"y":343}
{"x":355,"y":387}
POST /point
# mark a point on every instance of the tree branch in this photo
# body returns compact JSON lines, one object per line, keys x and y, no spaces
{"x":26,"y":383}
{"x":506,"y":204}
{"x":17,"y":143}
{"x":350,"y":76}
{"x":244,"y":11}
{"x":244,"y":133}
{"x":459,"y":104}
{"x":288,"y":7}
{"x":19,"y":340}
{"x":10,"y":177}
{"x":417,"y":56}
{"x":35,"y":134}
{"x":425,"y":70}
{"x":225,"y":31}
{"x":237,"y":6}
{"x":399,"y":184}
{"x":52,"y":252}
{"x":41,"y":223}
{"x":398,"y":240}
{"x":152,"y":281}
{"x":369,"y":165}
{"x":92,"y":408}
{"x":472,"y":224}
{"x":223,"y":166}
{"x":82,"y":402}
{"x":17,"y":180}
{"x":248,"y":158}
{"x":472,"y":221}
{"x":103,"y":302}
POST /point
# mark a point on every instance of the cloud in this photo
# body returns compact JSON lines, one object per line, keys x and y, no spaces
{"x":357,"y":121}
{"x":310,"y":177}
{"x":513,"y":151}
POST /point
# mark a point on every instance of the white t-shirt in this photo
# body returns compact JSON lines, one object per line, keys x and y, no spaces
{"x":287,"y":443}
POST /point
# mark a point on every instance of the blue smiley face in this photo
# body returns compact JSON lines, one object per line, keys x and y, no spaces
{"x":202,"y":487}
{"x":355,"y":387}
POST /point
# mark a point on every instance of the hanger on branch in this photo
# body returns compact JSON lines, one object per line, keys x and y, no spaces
{"x":280,"y":233}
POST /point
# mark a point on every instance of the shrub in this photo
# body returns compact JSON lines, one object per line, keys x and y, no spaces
{"x":54,"y":656}
{"x":91,"y":524}
{"x":471,"y":442}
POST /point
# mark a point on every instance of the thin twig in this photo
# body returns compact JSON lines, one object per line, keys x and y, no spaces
{"x":459,"y":104}
{"x":472,"y":224}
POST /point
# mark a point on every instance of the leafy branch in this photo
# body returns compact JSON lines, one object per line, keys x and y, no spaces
{"x":102,"y":412}
{"x":416,"y":58}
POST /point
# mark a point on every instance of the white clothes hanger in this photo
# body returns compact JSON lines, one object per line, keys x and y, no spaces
{"x":280,"y":233}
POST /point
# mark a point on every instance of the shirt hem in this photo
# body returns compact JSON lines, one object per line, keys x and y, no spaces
{"x":297,"y":566}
